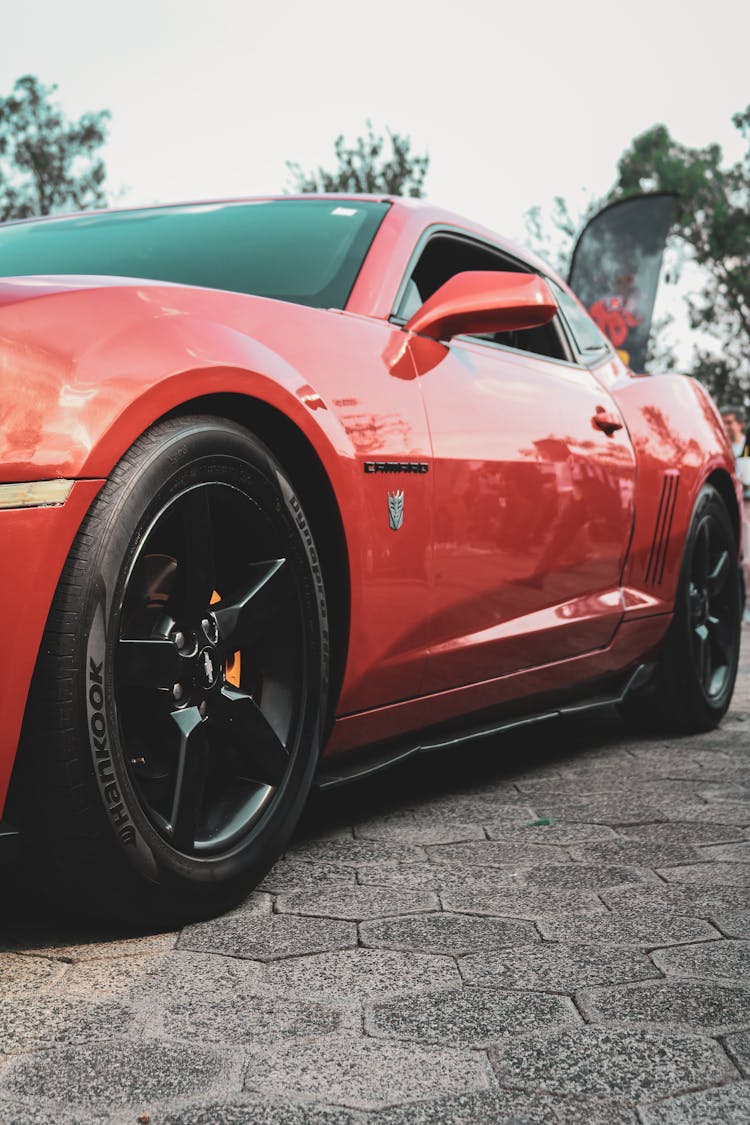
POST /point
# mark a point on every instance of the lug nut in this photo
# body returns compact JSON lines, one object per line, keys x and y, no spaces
{"x":202,"y":709}
{"x":179,"y":640}
{"x":210,"y":629}
{"x":178,"y":692}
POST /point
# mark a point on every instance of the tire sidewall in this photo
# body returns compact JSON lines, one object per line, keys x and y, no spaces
{"x":193,"y":452}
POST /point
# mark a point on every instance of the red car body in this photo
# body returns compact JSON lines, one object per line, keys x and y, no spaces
{"x":539,"y":552}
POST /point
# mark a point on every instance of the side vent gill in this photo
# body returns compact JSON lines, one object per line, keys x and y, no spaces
{"x":658,"y":554}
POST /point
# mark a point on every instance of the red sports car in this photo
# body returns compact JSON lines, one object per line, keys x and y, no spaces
{"x":290,"y":488}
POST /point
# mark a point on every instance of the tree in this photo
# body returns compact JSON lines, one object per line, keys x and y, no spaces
{"x":48,"y":163}
{"x":364,"y":167}
{"x":711,"y":228}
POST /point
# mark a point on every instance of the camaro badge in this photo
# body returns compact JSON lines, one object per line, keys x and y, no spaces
{"x":396,"y":509}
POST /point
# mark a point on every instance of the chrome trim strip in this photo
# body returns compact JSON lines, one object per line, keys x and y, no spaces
{"x":35,"y":493}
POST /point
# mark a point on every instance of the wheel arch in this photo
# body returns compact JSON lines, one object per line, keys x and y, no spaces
{"x":724,"y":485}
{"x":293,"y":450}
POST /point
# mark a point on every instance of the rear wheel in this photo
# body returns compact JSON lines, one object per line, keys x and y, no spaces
{"x":697,"y":667}
{"x":174,"y":722}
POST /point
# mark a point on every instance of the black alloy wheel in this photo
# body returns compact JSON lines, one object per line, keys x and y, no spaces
{"x":696,"y":669}
{"x":712,"y":599}
{"x":187,"y":639}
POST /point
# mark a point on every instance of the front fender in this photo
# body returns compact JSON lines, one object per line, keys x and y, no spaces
{"x":121,"y":359}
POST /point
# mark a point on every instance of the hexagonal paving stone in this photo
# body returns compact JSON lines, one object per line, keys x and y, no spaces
{"x":738,"y":1047}
{"x":682,"y":899}
{"x":266,"y":939}
{"x":693,"y":1005}
{"x":682,"y":832}
{"x":733,"y":923}
{"x":81,"y":943}
{"x":475,"y":808}
{"x":501,"y":1107}
{"x":727,"y":1105}
{"x":584,"y":875}
{"x":709,"y":874}
{"x":178,"y":975}
{"x":608,"y":1063}
{"x":473,"y":1017}
{"x":492,"y":853}
{"x":522,"y":904}
{"x":733,"y":853}
{"x":259,"y":1113}
{"x":408,"y":829}
{"x":354,"y":853}
{"x":644,"y":928}
{"x":355,"y":1072}
{"x":359,"y":975}
{"x":20,"y":976}
{"x":31,"y":1112}
{"x":727,"y":961}
{"x":555,"y":835}
{"x":634,"y":853}
{"x":299,"y":875}
{"x":712,"y":812}
{"x":556,"y":968}
{"x":103,"y":1075}
{"x":357,"y":903}
{"x":437,"y":877}
{"x":601,"y":809}
{"x":51,"y":1020}
{"x":247,"y":1019}
{"x":445,"y":933}
{"x":594,"y":1113}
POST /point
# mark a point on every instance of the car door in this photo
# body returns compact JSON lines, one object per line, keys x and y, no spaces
{"x":533,"y":499}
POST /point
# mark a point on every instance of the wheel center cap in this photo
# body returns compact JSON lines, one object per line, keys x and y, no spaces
{"x":207,"y":672}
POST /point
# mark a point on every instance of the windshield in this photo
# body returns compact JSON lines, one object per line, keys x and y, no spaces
{"x":308,"y":251}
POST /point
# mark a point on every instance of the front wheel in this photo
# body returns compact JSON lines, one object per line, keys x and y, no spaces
{"x":174,"y":722}
{"x":697,"y":666}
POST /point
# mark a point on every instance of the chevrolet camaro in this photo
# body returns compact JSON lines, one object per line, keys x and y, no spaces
{"x":292,"y":488}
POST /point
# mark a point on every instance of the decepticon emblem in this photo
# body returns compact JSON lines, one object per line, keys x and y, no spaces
{"x":396,"y":509}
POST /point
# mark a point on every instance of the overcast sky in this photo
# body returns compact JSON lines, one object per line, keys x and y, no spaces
{"x":515,"y":103}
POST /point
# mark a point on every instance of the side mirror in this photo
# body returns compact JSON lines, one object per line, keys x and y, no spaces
{"x":481,"y":301}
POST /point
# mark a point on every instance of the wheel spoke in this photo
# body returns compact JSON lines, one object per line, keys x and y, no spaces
{"x":703,"y":656}
{"x":721,"y":641}
{"x":148,"y":662}
{"x":719,"y":574}
{"x":238,"y":716}
{"x":190,"y":780}
{"x":701,"y":555}
{"x":197,"y":560}
{"x":241,"y":618}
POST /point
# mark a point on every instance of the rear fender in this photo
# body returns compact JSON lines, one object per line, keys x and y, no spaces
{"x":680,"y":444}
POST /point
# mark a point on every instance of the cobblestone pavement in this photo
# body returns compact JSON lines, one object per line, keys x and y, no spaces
{"x":551,"y":928}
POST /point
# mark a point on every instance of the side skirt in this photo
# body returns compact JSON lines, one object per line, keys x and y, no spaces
{"x":333,"y":774}
{"x":9,"y":843}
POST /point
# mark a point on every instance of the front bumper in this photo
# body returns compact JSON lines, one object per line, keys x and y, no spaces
{"x":34,"y":543}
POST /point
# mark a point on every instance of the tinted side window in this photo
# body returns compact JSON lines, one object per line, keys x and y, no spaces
{"x":446,"y":255}
{"x":586,"y":336}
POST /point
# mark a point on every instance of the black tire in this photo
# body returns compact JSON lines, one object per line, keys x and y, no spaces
{"x":171,"y":738}
{"x":696,"y":669}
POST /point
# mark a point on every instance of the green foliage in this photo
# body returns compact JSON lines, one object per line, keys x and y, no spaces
{"x":365,"y":167}
{"x":47,"y":163}
{"x":711,"y":228}
{"x":712,"y":224}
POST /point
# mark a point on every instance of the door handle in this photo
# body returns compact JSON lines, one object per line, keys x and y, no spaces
{"x":603,"y":420}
